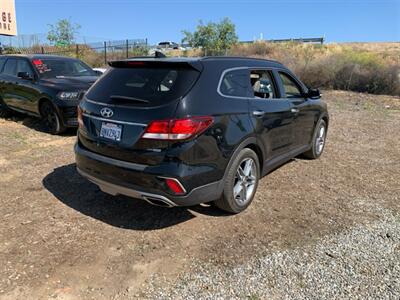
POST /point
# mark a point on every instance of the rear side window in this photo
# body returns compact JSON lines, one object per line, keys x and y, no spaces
{"x":2,"y":61}
{"x":235,"y":83}
{"x":263,"y":84}
{"x":143,"y":86}
{"x":10,"y":68}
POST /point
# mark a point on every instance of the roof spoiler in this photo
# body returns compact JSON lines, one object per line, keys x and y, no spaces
{"x":153,"y":61}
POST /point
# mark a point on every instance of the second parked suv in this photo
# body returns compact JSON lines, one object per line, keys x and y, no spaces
{"x":177,"y":131}
{"x":46,"y":86}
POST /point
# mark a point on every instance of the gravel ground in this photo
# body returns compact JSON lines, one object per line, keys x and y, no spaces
{"x":362,"y":263}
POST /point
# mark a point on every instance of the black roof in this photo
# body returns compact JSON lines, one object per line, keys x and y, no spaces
{"x":223,"y":59}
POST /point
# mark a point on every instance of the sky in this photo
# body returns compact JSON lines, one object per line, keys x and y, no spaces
{"x":157,"y":20}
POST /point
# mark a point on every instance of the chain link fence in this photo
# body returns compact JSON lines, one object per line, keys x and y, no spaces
{"x":95,"y":54}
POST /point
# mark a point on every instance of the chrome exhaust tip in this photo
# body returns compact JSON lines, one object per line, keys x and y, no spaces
{"x":154,"y":200}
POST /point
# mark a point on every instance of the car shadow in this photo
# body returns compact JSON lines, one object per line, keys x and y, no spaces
{"x":124,"y":212}
{"x":36,"y":123}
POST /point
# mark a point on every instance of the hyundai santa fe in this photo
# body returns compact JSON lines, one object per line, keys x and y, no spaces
{"x":185,"y":131}
{"x":45,"y":86}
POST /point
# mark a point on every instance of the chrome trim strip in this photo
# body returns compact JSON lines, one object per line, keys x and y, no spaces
{"x":114,"y":189}
{"x":114,"y":121}
{"x":109,"y":160}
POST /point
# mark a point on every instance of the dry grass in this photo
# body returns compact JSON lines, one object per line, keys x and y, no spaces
{"x":361,"y":67}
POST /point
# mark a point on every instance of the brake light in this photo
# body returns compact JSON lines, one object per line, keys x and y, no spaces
{"x":80,"y":117}
{"x":175,"y":186}
{"x":177,"y":129}
{"x":37,"y":62}
{"x":136,"y":63}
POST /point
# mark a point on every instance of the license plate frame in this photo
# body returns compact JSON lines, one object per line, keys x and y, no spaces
{"x":111,"y":131}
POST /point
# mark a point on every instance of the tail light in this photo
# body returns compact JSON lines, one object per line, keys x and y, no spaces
{"x":177,"y":129}
{"x":80,"y":118}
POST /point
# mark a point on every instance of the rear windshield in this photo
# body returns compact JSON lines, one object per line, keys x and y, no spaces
{"x":59,"y":68}
{"x":143,"y":86}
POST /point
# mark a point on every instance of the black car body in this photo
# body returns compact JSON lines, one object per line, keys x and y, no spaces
{"x":45,"y":86}
{"x":177,"y":131}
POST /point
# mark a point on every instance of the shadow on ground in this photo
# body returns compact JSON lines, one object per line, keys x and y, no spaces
{"x":78,"y":193}
{"x":36,"y":123}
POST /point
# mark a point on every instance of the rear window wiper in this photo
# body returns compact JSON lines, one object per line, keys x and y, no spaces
{"x":117,"y":97}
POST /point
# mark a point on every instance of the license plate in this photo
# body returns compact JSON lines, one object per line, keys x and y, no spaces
{"x":111,"y":131}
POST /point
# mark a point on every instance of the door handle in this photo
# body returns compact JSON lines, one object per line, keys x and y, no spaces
{"x":258,"y":113}
{"x":294,"y":110}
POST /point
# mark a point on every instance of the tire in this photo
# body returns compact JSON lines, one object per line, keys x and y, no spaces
{"x":5,"y":112}
{"x":318,"y":141}
{"x":51,"y":118}
{"x":247,"y":175}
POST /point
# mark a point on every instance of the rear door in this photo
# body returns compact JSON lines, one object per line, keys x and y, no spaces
{"x":301,"y":109}
{"x":125,"y":100}
{"x":271,"y":114}
{"x":25,"y":91}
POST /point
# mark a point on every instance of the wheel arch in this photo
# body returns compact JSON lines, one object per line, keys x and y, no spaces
{"x":42,"y":100}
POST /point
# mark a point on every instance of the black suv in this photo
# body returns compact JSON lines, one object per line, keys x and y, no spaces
{"x":176,"y":131}
{"x":45,"y":86}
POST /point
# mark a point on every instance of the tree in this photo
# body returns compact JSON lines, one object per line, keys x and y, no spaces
{"x":63,"y":32}
{"x":212,"y":36}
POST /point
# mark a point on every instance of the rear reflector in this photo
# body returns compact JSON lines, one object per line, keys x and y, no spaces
{"x":175,"y":186}
{"x":177,"y":129}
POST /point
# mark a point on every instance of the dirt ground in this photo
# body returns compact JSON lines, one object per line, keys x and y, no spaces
{"x":62,"y":238}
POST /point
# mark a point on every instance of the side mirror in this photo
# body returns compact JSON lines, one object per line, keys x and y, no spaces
{"x":313,"y":94}
{"x":25,"y":75}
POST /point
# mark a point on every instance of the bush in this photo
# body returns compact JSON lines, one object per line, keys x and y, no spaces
{"x":344,"y":67}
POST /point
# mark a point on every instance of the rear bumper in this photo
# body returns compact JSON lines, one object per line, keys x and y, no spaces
{"x":117,"y":177}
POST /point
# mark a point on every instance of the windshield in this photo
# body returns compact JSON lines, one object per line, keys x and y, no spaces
{"x":149,"y":86}
{"x":59,"y":68}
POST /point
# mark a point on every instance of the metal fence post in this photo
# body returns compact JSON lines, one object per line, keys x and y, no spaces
{"x":42,"y":50}
{"x":105,"y":53}
{"x":127,"y":48}
{"x":77,"y":51}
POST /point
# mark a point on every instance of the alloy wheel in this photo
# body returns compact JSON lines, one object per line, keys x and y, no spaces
{"x":245,"y":181}
{"x":320,"y":139}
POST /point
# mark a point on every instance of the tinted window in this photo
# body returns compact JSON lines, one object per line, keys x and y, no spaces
{"x":292,"y":89}
{"x":23,"y":66}
{"x":2,"y":61}
{"x":146,"y":86}
{"x":263,"y":84}
{"x":58,"y":68}
{"x":235,"y":83}
{"x":10,"y":68}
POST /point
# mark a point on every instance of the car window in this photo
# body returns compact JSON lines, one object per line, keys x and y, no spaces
{"x":23,"y":66}
{"x":235,"y":83}
{"x":10,"y":68}
{"x":2,"y":61}
{"x":292,"y":89}
{"x":146,"y":86}
{"x":263,"y":84}
{"x":59,"y":68}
